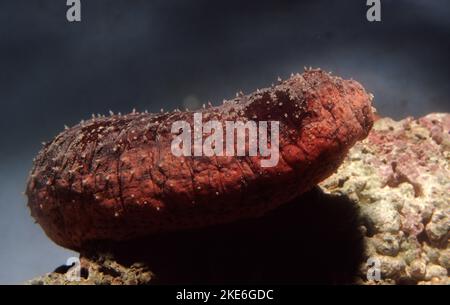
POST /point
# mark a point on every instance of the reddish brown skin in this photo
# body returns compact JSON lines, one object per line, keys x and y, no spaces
{"x":115,"y":178}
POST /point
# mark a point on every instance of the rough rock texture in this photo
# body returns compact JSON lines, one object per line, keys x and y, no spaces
{"x":101,"y":269}
{"x":115,"y":177}
{"x":400,"y":178}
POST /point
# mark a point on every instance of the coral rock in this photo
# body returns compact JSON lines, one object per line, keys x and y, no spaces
{"x":400,"y":178}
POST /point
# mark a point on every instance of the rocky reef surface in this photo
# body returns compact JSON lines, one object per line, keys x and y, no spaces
{"x":398,"y":181}
{"x":400,"y":178}
{"x":100,"y":269}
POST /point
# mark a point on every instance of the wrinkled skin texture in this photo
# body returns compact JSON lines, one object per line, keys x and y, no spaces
{"x":115,"y":178}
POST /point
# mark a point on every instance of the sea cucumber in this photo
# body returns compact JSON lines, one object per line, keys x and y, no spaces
{"x":115,"y":178}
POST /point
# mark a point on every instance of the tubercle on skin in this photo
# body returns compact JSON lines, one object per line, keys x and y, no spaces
{"x":115,"y":177}
{"x":229,"y":138}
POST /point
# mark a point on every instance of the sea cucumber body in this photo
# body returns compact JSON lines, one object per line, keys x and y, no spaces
{"x":115,"y":178}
